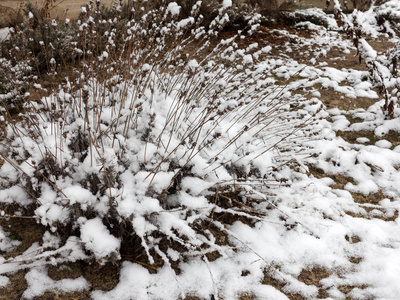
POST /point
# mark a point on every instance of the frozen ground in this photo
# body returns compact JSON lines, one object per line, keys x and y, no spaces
{"x":330,"y":228}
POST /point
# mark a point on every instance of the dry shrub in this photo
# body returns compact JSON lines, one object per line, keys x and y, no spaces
{"x":383,"y":71}
{"x":156,"y":115}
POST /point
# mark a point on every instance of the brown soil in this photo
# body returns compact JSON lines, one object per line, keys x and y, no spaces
{"x":373,"y":198}
{"x":310,"y":277}
{"x":5,"y":15}
{"x":269,"y":279}
{"x":345,"y":289}
{"x":16,"y":288}
{"x":353,"y":239}
{"x":28,"y":232}
{"x":22,"y":229}
{"x":313,"y":277}
{"x":62,"y":8}
{"x":352,"y":136}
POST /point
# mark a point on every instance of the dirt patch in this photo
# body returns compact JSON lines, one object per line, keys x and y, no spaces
{"x":384,"y":216}
{"x":352,"y":136}
{"x":355,"y":260}
{"x":346,"y":289}
{"x":104,"y":279}
{"x":372,"y":198}
{"x":247,"y":297}
{"x":279,"y":285}
{"x":28,"y":232}
{"x":101,"y":278}
{"x":16,"y":288}
{"x":310,"y":277}
{"x":6,"y":14}
{"x":313,"y":277}
{"x":334,"y":99}
{"x":339,"y":179}
{"x":25,"y":230}
{"x":62,"y":9}
{"x":336,"y":58}
{"x":353,"y":239}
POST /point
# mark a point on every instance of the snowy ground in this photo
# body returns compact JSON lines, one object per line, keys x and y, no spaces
{"x":329,"y":230}
{"x":4,"y":33}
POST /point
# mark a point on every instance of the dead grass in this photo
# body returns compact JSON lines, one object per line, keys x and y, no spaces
{"x":339,"y":179}
{"x":279,"y":285}
{"x":311,"y":276}
{"x":25,"y":230}
{"x":247,"y":297}
{"x":367,"y":215}
{"x":5,"y":17}
{"x":346,"y":289}
{"x":355,"y":260}
{"x":352,"y":136}
{"x":353,"y":239}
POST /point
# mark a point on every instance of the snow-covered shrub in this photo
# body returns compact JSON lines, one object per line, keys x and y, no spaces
{"x":390,"y":12}
{"x":34,"y":46}
{"x":313,"y":15}
{"x":37,"y":40}
{"x":143,"y":138}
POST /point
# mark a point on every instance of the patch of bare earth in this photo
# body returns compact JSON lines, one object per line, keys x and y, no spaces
{"x":352,"y":136}
{"x":5,"y":15}
{"x":369,"y":202}
{"x":61,"y":8}
{"x":311,"y":276}
{"x":27,"y":232}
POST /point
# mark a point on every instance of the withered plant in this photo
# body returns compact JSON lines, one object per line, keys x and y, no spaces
{"x":159,"y":129}
{"x":383,"y":71}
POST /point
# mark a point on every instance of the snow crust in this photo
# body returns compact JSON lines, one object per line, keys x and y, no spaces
{"x":39,"y":282}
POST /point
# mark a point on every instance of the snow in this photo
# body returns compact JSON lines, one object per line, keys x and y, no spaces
{"x":98,"y":239}
{"x":6,"y":243}
{"x":134,"y":284}
{"x":184,"y":23}
{"x":390,"y":8}
{"x":362,"y":140}
{"x":173,"y":8}
{"x":383,"y":144}
{"x":226,"y":4}
{"x":193,"y":64}
{"x":4,"y":281}
{"x":39,"y":282}
{"x":4,"y":33}
{"x":195,"y":185}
